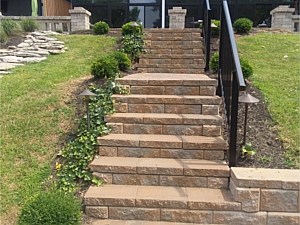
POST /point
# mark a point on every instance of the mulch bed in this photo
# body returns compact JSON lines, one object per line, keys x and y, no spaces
{"x":13,"y":41}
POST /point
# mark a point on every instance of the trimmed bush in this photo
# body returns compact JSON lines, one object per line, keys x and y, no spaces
{"x":51,"y":208}
{"x":214,"y":62}
{"x":123,"y":60}
{"x":215,"y":31}
{"x":247,"y":69}
{"x":242,"y":26}
{"x":3,"y":36}
{"x":29,"y":25}
{"x":128,"y":29}
{"x":133,"y":46}
{"x":101,"y":28}
{"x":105,"y":67}
{"x":10,"y":27}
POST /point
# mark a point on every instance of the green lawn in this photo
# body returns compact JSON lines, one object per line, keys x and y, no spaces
{"x":276,"y":62}
{"x":35,"y":115}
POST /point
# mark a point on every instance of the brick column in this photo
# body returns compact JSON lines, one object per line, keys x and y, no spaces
{"x":282,"y":18}
{"x":177,"y":17}
{"x":80,"y":19}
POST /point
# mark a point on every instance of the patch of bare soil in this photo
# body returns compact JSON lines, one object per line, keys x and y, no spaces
{"x":262,"y":133}
{"x":13,"y":41}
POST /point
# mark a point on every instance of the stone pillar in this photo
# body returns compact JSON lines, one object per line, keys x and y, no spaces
{"x":177,"y":17}
{"x":80,"y":19}
{"x":282,"y":18}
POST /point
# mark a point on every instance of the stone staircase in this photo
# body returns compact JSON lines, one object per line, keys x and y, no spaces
{"x":172,"y":51}
{"x":164,"y":160}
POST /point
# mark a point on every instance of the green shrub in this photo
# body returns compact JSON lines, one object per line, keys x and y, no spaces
{"x":3,"y":36}
{"x":51,"y":208}
{"x":215,"y":31}
{"x":247,"y":69}
{"x":29,"y":25}
{"x":242,"y":26}
{"x":123,"y":60}
{"x":10,"y":27}
{"x":128,"y":29}
{"x":105,"y":67}
{"x":101,"y":28}
{"x":214,"y":62}
{"x":133,"y":46}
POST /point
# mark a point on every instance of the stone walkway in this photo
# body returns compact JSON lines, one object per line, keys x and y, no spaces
{"x":35,"y":48}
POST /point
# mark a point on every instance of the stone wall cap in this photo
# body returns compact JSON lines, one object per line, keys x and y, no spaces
{"x":79,"y":10}
{"x":177,"y":10}
{"x":253,"y":176}
{"x":282,"y":9}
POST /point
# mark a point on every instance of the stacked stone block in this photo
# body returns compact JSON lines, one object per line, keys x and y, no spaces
{"x":80,"y":19}
{"x":282,"y":18}
{"x":177,"y":17}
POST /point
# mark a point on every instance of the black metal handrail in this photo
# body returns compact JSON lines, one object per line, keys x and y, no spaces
{"x":231,"y":79}
{"x":206,"y":31}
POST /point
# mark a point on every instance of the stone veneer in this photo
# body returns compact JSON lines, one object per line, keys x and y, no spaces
{"x":275,"y":192}
{"x":177,"y":17}
{"x":80,"y":19}
{"x":282,"y":18}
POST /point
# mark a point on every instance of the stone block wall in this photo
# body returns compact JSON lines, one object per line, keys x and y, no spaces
{"x":274,"y":193}
{"x":80,"y":19}
{"x":282,"y":18}
{"x":177,"y":17}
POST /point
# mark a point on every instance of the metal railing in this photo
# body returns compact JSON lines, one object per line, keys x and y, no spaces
{"x":230,"y":79}
{"x":206,"y":31}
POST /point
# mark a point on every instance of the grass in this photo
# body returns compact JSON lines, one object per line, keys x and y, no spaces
{"x":35,"y":115}
{"x":275,"y":59}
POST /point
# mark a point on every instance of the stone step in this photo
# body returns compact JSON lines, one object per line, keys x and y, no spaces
{"x":167,"y":79}
{"x":139,"y":222}
{"x":193,"y":61}
{"x":171,"y":56}
{"x":173,"y":36}
{"x":169,"y":124}
{"x":162,"y":146}
{"x":171,"y":51}
{"x":161,"y":172}
{"x":164,"y":63}
{"x":158,"y":203}
{"x":170,"y":70}
{"x":178,"y":104}
{"x":174,"y":45}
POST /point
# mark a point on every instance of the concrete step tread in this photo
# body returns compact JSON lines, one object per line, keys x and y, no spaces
{"x":162,"y":141}
{"x":163,"y":166}
{"x":172,"y":65}
{"x":167,"y":99}
{"x":160,"y":197}
{"x":164,"y":118}
{"x":171,"y":56}
{"x":139,"y":222}
{"x":169,"y":79}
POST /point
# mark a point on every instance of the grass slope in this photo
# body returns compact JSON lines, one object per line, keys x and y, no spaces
{"x":275,"y":58}
{"x":33,"y":114}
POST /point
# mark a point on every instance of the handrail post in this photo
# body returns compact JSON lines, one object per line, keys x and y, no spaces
{"x":206,"y":31}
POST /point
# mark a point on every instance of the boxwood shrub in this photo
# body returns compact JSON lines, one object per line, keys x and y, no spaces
{"x":242,"y":26}
{"x":128,"y":29}
{"x":49,"y":208}
{"x":247,"y":69}
{"x":105,"y":67}
{"x":101,"y":28}
{"x":123,"y":60}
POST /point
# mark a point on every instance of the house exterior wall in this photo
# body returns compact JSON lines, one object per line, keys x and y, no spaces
{"x":56,"y":7}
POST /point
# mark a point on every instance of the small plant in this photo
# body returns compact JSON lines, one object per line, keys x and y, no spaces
{"x":105,"y":67}
{"x":3,"y":36}
{"x":247,"y":69}
{"x":29,"y":25}
{"x":129,"y":29}
{"x":49,"y":208}
{"x":215,"y":31}
{"x":101,"y":28}
{"x":214,"y":62}
{"x":242,"y":26}
{"x":10,"y":27}
{"x":133,"y":45}
{"x":248,"y":150}
{"x":123,"y":60}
